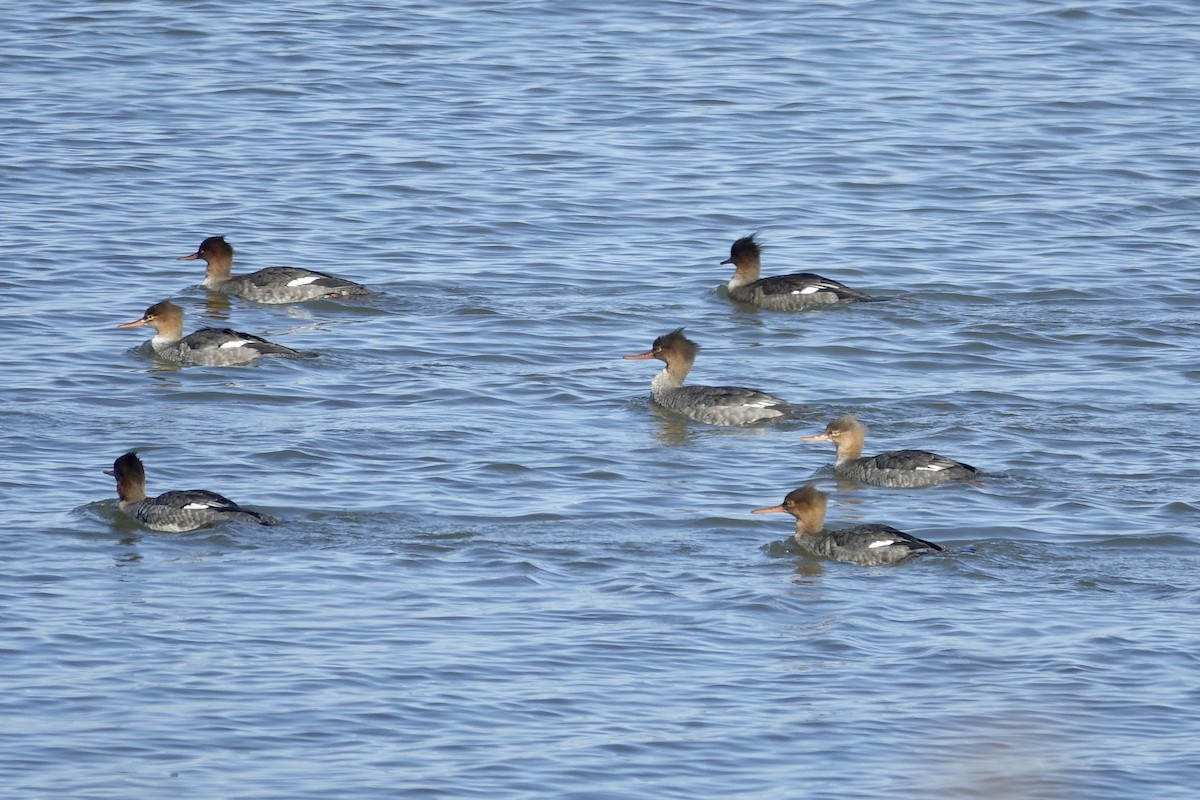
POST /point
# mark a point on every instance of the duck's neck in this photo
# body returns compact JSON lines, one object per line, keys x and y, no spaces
{"x":218,"y":270}
{"x":849,"y":448}
{"x":744,"y":273}
{"x":130,"y":492}
{"x":811,"y":520}
{"x":665,"y":381}
{"x":672,"y":375}
{"x":166,"y":334}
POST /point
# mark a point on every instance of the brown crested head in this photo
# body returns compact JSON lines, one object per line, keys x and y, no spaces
{"x":671,"y":347}
{"x":163,"y":314}
{"x":131,"y":477}
{"x":847,"y":435}
{"x":744,"y":252}
{"x":214,"y":249}
{"x":674,"y":345}
{"x":804,"y":499}
{"x":807,"y":504}
{"x":845,"y":427}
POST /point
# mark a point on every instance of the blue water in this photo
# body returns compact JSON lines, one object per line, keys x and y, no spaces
{"x":502,"y":573}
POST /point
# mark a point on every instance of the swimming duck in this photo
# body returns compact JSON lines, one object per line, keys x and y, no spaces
{"x":869,"y":545}
{"x":214,"y":347}
{"x":175,"y":512}
{"x":794,"y":292}
{"x":900,"y":469}
{"x":270,"y":285}
{"x":715,"y":405}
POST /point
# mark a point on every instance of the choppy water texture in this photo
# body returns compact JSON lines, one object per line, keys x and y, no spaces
{"x":502,"y":573}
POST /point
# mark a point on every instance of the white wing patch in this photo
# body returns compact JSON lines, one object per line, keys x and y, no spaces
{"x":234,"y":343}
{"x":197,"y":506}
{"x":880,"y":543}
{"x":933,"y":467}
{"x":305,"y":281}
{"x":807,"y":290}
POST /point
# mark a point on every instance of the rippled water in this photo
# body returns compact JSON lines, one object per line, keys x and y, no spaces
{"x":502,"y":573}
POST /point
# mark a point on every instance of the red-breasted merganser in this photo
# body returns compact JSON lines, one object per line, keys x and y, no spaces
{"x":175,"y":512}
{"x":870,"y":545}
{"x":793,"y":292}
{"x":214,"y":347}
{"x":715,"y":405}
{"x":270,"y":285}
{"x":900,"y":469}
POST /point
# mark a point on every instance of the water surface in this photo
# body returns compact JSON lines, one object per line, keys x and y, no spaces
{"x":502,"y":572}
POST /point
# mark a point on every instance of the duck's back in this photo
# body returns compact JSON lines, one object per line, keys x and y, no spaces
{"x":290,"y":285}
{"x":218,"y":347}
{"x":907,"y":469}
{"x":870,"y":545}
{"x":795,"y":291}
{"x":189,"y":509}
{"x":723,"y":405}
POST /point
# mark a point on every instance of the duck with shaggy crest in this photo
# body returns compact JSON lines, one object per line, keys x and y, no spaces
{"x":270,"y":285}
{"x":795,"y":292}
{"x":715,"y":405}
{"x":212,"y":347}
{"x":898,"y":469}
{"x":177,"y":511}
{"x":869,"y":545}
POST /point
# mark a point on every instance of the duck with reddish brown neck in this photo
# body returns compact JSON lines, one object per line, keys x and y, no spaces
{"x":178,"y":511}
{"x":212,"y":347}
{"x":897,"y":469}
{"x":715,"y":405}
{"x":869,"y":545}
{"x":795,"y":292}
{"x":270,"y":285}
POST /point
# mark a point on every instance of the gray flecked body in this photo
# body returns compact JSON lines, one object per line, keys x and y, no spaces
{"x":187,"y":510}
{"x":869,"y":545}
{"x":277,"y":285}
{"x":906,"y":469}
{"x":219,"y":347}
{"x":793,"y":292}
{"x":720,"y":405}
